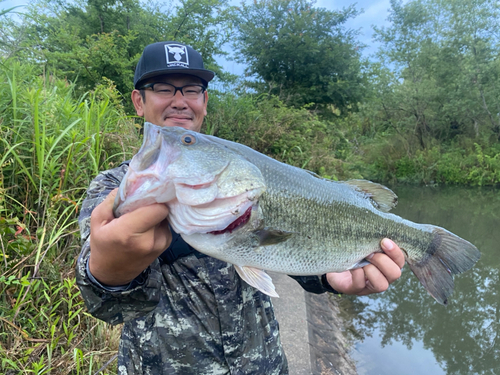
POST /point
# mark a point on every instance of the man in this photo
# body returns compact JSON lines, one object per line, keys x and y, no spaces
{"x":184,"y":312}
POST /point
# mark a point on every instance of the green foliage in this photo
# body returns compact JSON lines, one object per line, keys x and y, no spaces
{"x":90,"y":42}
{"x":301,"y":53}
{"x":46,"y":137}
{"x":461,"y":163}
{"x":51,"y":145}
{"x":446,"y":78}
{"x":432,"y":112}
{"x":43,"y":323}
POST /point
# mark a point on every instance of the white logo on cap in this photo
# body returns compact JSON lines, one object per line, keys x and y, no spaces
{"x":176,"y":55}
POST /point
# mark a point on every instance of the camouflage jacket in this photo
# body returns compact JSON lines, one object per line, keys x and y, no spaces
{"x":193,"y":315}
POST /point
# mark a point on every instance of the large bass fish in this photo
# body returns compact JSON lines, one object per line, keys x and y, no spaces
{"x":238,"y":205}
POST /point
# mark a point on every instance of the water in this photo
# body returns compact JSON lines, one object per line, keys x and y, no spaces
{"x":403,"y":331}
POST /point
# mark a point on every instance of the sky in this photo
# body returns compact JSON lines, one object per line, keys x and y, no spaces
{"x":375,"y":13}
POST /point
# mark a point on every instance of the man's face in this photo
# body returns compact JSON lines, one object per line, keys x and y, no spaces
{"x":178,"y":110}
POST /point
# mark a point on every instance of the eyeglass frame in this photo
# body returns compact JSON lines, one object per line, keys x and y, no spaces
{"x":176,"y":88}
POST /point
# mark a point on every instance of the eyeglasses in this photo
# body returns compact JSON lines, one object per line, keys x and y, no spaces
{"x":167,"y":90}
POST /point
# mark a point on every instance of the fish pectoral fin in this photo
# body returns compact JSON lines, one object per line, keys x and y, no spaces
{"x":258,"y":279}
{"x":270,"y":236}
{"x":381,"y":196}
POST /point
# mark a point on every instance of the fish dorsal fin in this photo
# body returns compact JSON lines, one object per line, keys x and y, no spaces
{"x":381,"y":196}
{"x":258,"y":279}
{"x":314,"y":174}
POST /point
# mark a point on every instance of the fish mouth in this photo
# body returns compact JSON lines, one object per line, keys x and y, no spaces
{"x":238,"y":223}
{"x":199,"y":186}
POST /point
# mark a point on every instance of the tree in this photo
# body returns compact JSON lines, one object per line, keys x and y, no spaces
{"x":301,"y":53}
{"x":444,"y":59}
{"x":93,"y":40}
{"x":474,"y":30}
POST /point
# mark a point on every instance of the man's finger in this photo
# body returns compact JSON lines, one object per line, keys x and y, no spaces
{"x":388,"y":268}
{"x":103,"y":213}
{"x":144,"y":218}
{"x":393,"y":251}
{"x":163,"y":235}
{"x":376,"y":280}
{"x":138,"y":221}
{"x":358,"y":280}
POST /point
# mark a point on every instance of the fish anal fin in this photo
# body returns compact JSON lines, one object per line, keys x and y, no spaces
{"x":359,"y":264}
{"x":270,"y":236}
{"x":381,"y":196}
{"x":257,"y":278}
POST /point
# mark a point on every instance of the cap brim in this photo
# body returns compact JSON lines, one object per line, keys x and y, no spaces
{"x":204,"y":74}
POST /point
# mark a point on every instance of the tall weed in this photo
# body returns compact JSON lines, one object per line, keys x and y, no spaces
{"x":52,"y":144}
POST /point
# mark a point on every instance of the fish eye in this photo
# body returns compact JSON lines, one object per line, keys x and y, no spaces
{"x":188,"y":139}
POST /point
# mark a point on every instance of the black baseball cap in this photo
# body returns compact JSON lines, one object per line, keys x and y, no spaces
{"x":167,"y":58}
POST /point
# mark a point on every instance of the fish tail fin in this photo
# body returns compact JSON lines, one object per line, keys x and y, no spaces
{"x":446,"y":256}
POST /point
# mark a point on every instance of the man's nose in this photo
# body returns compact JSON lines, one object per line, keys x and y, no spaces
{"x":178,"y":100}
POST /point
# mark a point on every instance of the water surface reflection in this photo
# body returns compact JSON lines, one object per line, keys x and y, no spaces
{"x":404,"y":331}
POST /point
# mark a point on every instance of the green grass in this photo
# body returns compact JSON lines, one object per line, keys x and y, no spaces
{"x":52,"y":145}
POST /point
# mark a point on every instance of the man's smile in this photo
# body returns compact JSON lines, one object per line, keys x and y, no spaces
{"x":178,"y":116}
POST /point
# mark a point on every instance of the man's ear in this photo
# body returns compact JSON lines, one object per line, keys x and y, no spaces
{"x":138,"y":102}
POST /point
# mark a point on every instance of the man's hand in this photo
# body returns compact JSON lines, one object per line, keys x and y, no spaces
{"x":385,"y":268}
{"x":121,"y":248}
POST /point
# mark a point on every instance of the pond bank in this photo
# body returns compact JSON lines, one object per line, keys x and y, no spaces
{"x":312,"y":330}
